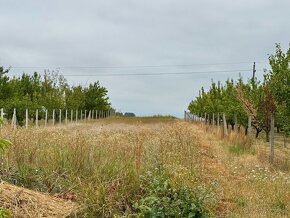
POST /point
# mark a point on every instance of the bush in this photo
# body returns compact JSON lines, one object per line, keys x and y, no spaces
{"x":160,"y":199}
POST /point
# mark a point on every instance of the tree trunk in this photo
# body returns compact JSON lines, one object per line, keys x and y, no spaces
{"x":233,"y":126}
{"x":267,"y":136}
{"x":258,"y":132}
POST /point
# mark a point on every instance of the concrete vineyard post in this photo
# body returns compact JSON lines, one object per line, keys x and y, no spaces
{"x":218,"y":120}
{"x":249,"y":125}
{"x":272,"y":139}
{"x":53,"y":116}
{"x":204,"y":118}
{"x":36,"y":118}
{"x":65,"y":116}
{"x":26,"y":118}
{"x":225,"y":130}
{"x":93,"y":114}
{"x":71,"y":115}
{"x":236,"y":123}
{"x":13,"y":122}
{"x":89,"y":116}
{"x":45,"y":122}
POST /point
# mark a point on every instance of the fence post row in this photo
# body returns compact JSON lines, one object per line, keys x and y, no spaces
{"x":216,"y":120}
{"x":87,"y":115}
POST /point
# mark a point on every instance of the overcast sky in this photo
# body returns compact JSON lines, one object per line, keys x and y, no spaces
{"x":218,"y":37}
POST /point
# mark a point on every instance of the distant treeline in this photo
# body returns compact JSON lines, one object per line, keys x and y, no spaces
{"x":50,"y":91}
{"x":254,"y":99}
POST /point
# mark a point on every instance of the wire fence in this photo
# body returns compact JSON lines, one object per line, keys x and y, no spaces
{"x":219,"y":121}
{"x":43,"y":117}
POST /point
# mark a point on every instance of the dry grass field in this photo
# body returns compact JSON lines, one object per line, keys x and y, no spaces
{"x":136,"y":167}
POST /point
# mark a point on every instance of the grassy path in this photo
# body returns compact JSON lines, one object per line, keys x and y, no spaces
{"x":103,"y":164}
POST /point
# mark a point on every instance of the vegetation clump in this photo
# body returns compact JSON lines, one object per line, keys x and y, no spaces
{"x":161,"y":199}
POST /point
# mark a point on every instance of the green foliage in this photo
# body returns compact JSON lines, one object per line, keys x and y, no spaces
{"x":278,"y":79}
{"x":50,"y":91}
{"x":4,"y":144}
{"x":5,"y":213}
{"x":253,"y":98}
{"x":161,"y":199}
{"x":239,"y":150}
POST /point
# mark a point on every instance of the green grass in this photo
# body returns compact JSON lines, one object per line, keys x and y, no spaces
{"x":240,"y":150}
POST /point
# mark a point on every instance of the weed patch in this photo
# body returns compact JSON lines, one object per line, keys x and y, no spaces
{"x":240,"y":150}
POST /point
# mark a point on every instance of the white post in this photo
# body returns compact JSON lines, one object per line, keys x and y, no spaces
{"x":26,"y":118}
{"x":89,"y":116}
{"x":53,"y":116}
{"x":46,"y":114}
{"x":71,"y":115}
{"x":93,"y":114}
{"x":81,"y":115}
{"x":65,"y":116}
{"x":218,"y":120}
{"x":225,"y":132}
{"x":36,"y":118}
{"x":13,"y":122}
{"x":96,"y":114}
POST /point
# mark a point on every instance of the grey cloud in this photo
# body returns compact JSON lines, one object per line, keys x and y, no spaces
{"x":129,"y":32}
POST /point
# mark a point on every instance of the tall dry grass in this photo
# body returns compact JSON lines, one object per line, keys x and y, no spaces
{"x":100,"y":165}
{"x":103,"y":166}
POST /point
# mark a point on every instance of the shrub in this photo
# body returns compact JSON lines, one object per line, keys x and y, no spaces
{"x":160,"y":199}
